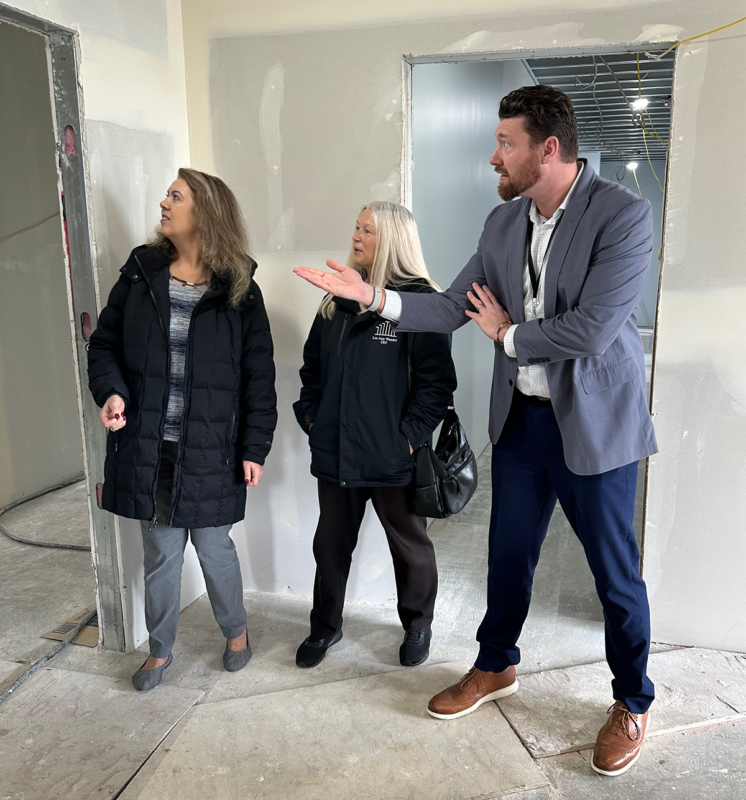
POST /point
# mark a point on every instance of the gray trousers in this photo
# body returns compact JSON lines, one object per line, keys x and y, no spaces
{"x":164,"y":556}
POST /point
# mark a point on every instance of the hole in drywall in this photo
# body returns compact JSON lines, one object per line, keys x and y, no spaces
{"x":85,"y":325}
{"x":70,"y":141}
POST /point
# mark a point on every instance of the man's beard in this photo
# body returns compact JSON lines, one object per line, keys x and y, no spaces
{"x":520,"y":180}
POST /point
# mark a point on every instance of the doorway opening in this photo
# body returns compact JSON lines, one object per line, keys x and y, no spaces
{"x":51,"y":441}
{"x":623,"y":102}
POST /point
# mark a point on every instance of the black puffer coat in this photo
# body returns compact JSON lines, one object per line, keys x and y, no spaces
{"x":230,"y":406}
{"x":364,"y":404}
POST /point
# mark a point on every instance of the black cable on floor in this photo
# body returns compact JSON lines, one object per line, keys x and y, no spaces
{"x":39,"y":663}
{"x":8,"y":535}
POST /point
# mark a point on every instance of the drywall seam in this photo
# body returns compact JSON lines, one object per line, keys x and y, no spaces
{"x":562,"y":34}
{"x":659,"y":33}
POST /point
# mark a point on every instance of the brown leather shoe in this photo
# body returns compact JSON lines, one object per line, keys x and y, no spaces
{"x":619,"y":742}
{"x":474,"y":689}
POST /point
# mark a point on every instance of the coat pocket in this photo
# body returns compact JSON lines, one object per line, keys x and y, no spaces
{"x":598,"y":380}
{"x":404,"y":443}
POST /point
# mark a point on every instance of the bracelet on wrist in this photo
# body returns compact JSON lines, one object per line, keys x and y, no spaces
{"x":499,"y":328}
{"x":376,"y":301}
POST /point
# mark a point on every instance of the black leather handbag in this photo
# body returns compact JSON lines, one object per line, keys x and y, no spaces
{"x":444,"y":479}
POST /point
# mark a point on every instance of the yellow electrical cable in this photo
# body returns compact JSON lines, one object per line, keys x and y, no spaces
{"x":639,"y":94}
{"x":634,"y":172}
{"x":654,"y":135}
{"x":639,"y":90}
{"x":650,"y":120}
{"x":649,"y":161}
{"x":699,"y":36}
{"x":644,"y":139}
{"x":654,"y":131}
{"x":678,"y":44}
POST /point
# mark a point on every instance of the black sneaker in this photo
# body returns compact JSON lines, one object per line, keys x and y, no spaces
{"x":415,"y":649}
{"x":313,"y":650}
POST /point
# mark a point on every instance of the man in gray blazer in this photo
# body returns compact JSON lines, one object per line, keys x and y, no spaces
{"x":555,"y":282}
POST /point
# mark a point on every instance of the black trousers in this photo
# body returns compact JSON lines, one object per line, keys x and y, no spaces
{"x":529,"y":475}
{"x":341,"y":514}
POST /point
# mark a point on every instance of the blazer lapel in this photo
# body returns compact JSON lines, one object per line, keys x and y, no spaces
{"x":517,"y":264}
{"x":569,"y":221}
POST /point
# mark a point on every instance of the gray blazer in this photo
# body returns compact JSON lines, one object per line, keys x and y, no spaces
{"x":588,"y":340}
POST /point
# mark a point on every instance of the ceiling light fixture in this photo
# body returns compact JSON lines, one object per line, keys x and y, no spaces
{"x":640,"y":103}
{"x":633,"y":165}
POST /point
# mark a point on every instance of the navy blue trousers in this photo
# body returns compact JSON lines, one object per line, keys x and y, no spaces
{"x":529,"y":475}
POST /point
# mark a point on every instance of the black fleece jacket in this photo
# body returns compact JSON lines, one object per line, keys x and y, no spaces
{"x":369,"y":392}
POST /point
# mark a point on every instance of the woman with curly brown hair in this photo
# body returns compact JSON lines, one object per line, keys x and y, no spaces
{"x":182,"y":367}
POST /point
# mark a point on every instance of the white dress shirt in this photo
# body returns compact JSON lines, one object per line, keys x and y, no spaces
{"x":531,"y":380}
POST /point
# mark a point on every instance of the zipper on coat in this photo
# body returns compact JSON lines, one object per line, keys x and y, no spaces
{"x":154,"y":521}
{"x":342,"y":380}
{"x":341,"y":336}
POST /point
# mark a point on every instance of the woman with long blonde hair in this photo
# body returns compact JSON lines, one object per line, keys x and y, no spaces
{"x":181,"y":365}
{"x":370,"y":396}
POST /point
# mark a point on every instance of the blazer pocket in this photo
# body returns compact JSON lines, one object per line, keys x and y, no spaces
{"x":598,"y":380}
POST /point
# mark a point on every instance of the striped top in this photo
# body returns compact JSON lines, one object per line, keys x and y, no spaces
{"x":183,"y":301}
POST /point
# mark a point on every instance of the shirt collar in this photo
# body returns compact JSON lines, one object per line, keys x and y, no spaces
{"x":536,"y":217}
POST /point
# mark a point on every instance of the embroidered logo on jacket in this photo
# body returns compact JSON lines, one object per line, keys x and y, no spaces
{"x":385,"y":333}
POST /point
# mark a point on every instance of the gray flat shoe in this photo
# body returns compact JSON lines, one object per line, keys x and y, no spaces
{"x":234,"y":660}
{"x":146,"y":679}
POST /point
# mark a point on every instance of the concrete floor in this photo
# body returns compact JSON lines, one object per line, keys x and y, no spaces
{"x":355,"y":727}
{"x":41,"y":587}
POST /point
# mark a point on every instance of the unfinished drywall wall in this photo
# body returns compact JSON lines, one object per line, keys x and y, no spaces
{"x":40,"y":437}
{"x":135,"y":137}
{"x":696,"y":513}
{"x":339,"y":129}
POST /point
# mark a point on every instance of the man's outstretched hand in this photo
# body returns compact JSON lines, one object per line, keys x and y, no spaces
{"x":343,"y":282}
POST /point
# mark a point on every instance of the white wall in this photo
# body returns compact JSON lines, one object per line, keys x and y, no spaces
{"x":40,"y":439}
{"x":335,"y":118}
{"x":136,"y":136}
{"x":652,"y":192}
{"x":454,"y":188}
{"x":696,"y":515}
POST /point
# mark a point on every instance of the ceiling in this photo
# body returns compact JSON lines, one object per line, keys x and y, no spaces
{"x":601,"y":89}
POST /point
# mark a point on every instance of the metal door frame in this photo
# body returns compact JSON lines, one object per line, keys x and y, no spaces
{"x":67,"y":119}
